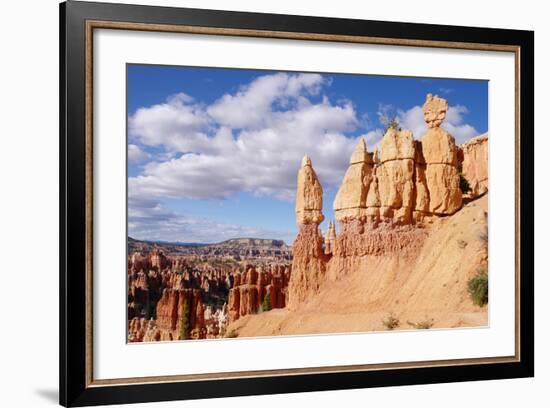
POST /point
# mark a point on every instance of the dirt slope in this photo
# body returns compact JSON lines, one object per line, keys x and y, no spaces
{"x":414,"y":287}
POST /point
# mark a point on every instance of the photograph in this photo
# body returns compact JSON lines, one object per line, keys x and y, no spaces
{"x":255,"y":203}
{"x":278,"y":203}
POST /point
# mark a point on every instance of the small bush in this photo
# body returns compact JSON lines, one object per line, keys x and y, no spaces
{"x":464,"y":185}
{"x":425,"y":324}
{"x":266,"y":304}
{"x":391,"y":322}
{"x":478,"y":287}
{"x":461,"y":243}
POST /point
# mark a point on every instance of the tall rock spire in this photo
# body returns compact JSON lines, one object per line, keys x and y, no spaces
{"x":330,"y":239}
{"x":435,"y":110}
{"x":309,"y":259}
{"x":309,"y":195}
{"x":440,"y":153}
{"x":395,"y":176}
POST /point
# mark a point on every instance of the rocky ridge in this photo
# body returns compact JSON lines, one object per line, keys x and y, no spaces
{"x":386,"y":202}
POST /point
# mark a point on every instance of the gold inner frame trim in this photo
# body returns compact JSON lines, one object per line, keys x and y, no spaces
{"x":118,"y":25}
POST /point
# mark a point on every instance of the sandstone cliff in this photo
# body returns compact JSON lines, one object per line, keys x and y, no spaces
{"x":428,"y":285}
{"x":250,"y":289}
{"x":398,"y":247}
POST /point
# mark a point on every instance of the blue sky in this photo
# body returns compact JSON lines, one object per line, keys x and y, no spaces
{"x":213,"y":152}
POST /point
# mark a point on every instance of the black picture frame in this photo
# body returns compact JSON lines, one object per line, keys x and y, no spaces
{"x":75,"y":386}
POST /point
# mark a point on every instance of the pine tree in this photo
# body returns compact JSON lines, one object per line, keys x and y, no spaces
{"x":464,"y":185}
{"x":266,"y":304}
{"x":184,"y":323}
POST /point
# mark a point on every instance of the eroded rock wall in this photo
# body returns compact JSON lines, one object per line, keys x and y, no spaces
{"x":475,"y":153}
{"x":250,"y":289}
{"x":385,"y":200}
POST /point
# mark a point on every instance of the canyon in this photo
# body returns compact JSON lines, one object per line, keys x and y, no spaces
{"x":410,"y":232}
{"x":180,"y":292}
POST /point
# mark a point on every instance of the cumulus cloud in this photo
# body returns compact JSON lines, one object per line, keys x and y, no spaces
{"x":179,"y":124}
{"x":149,"y":219}
{"x":413,"y":119}
{"x":136,"y":155}
{"x":251,"y":107}
{"x":250,"y":141}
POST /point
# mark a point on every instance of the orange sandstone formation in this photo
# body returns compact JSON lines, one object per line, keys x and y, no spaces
{"x":351,"y":199}
{"x":309,"y":195}
{"x":383,"y":201}
{"x":330,"y":239}
{"x":309,"y":259}
{"x":474,"y":165}
{"x":395,"y":176}
{"x":398,"y":246}
{"x":250,"y":289}
{"x":440,"y":154}
{"x":435,"y":110}
{"x":170,"y":313}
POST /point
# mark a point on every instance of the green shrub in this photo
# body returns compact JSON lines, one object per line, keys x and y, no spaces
{"x":266,"y":304}
{"x":391,"y":322}
{"x":184,"y":323}
{"x":478,"y":287}
{"x":464,"y":185}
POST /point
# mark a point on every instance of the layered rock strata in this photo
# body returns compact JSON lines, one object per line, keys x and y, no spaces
{"x":383,"y":202}
{"x":351,"y":200}
{"x":160,"y":282}
{"x":170,"y":309}
{"x":475,"y":155}
{"x":395,"y":176}
{"x":309,"y":258}
{"x":440,"y":154}
{"x":250,"y":289}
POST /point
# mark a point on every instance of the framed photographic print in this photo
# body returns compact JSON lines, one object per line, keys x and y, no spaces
{"x":255,"y":203}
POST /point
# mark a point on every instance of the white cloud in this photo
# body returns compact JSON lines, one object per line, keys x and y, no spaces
{"x":251,"y":106}
{"x":373,"y":138}
{"x":249,"y":141}
{"x":178,"y":124}
{"x":454,"y":124}
{"x":245,"y":142}
{"x":413,"y":119}
{"x":150,"y":220}
{"x":136,"y":155}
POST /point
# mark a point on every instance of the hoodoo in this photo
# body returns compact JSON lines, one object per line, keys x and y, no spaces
{"x":351,"y":199}
{"x":406,"y":244}
{"x":330,"y":239}
{"x":440,"y":154}
{"x":383,"y":202}
{"x":309,"y":259}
